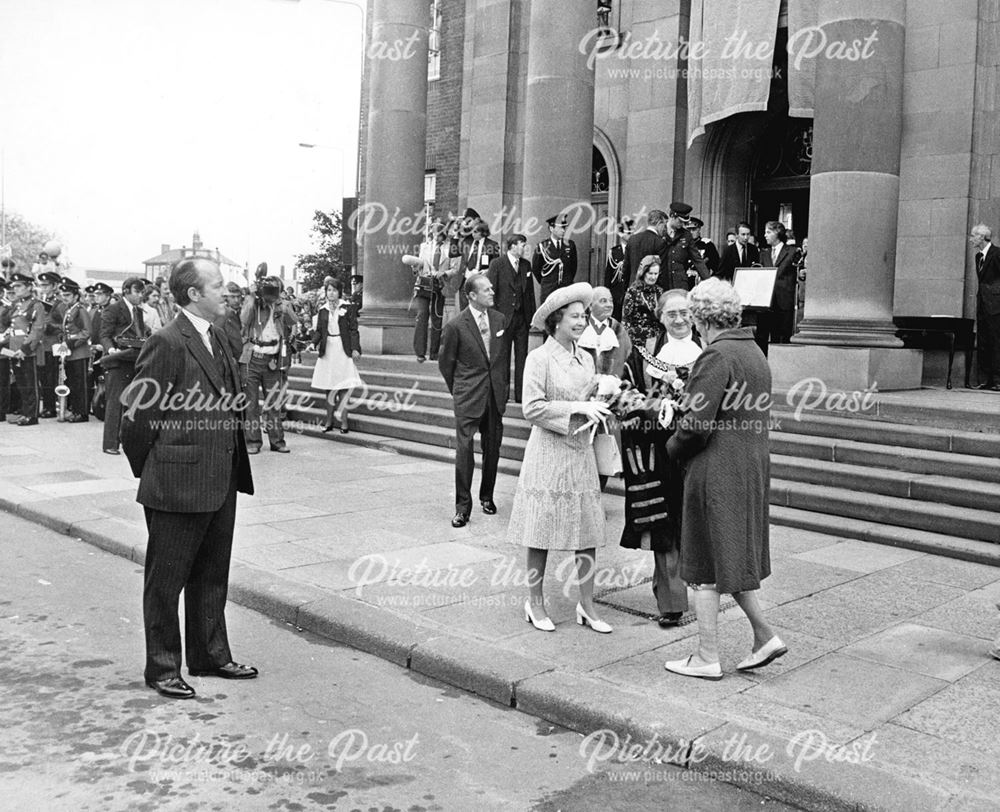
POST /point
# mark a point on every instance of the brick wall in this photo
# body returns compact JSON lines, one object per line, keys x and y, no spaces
{"x":444,"y":108}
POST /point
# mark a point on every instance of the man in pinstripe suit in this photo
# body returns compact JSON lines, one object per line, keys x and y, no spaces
{"x":183,"y":434}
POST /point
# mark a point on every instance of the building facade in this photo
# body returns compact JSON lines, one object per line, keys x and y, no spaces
{"x":873,"y":129}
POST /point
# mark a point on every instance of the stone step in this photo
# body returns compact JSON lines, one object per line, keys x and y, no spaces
{"x":962,"y":522}
{"x":902,"y":484}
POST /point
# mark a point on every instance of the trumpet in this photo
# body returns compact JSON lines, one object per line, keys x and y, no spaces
{"x":61,"y":390}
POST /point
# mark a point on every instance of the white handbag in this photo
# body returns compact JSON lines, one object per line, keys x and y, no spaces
{"x":609,"y":458}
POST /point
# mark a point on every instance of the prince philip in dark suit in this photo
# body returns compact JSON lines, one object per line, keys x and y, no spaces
{"x":474,"y":362}
{"x":182,"y":431}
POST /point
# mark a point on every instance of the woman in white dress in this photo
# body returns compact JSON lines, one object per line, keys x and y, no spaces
{"x":558,"y":501}
{"x":335,"y":334}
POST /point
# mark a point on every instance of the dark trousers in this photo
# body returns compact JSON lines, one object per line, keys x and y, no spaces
{"x":668,"y":588}
{"x":78,"y":401}
{"x":48,"y":377}
{"x":115,"y":381}
{"x":988,"y":346}
{"x":490,"y":427}
{"x":515,"y":337}
{"x":189,"y":552}
{"x":26,"y":379}
{"x":430,"y":313}
{"x":270,"y":380}
{"x":5,"y":406}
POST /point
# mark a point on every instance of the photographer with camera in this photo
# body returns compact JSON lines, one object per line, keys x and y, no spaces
{"x":268,"y":322}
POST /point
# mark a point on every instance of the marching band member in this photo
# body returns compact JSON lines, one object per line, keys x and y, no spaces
{"x":5,"y":313}
{"x":27,"y":325}
{"x":46,"y":283}
{"x":74,"y":333}
{"x":554,"y":260}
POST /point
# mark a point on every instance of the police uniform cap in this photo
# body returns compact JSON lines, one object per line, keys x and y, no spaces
{"x":680,"y":209}
{"x":470,"y":213}
{"x":88,"y":289}
{"x":694,"y":222}
{"x":68,"y":285}
{"x":51,"y":277}
{"x":17,"y":276}
{"x":103,"y":287}
{"x":560,"y":219}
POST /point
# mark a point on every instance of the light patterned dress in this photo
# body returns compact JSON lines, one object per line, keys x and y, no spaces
{"x":558,"y":501}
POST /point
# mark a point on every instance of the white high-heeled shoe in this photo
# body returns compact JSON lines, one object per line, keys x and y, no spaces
{"x":545,"y":625}
{"x":583,"y":619}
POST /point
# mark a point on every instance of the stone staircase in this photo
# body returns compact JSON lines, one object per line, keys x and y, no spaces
{"x":915,"y":472}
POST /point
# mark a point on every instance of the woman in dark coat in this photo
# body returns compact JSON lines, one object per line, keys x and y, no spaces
{"x":723,"y":441}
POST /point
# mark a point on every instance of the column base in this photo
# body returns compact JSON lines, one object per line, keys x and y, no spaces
{"x":840,"y":332}
{"x":386,"y":331}
{"x":845,"y":369}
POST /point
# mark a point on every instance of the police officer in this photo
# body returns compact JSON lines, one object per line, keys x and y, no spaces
{"x":681,"y":265}
{"x":46,"y":283}
{"x":705,"y":246}
{"x":27,"y":326}
{"x":74,"y":333}
{"x":554,"y":262}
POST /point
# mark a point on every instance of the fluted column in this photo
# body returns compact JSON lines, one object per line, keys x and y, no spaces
{"x":559,"y":119}
{"x":854,"y":195}
{"x":394,"y":175}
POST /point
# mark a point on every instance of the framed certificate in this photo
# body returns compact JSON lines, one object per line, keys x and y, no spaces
{"x":755,"y":285}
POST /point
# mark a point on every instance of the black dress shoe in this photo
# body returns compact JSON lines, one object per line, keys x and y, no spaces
{"x":281,"y":449}
{"x":669,"y":619}
{"x":228,"y":671}
{"x":76,"y":419}
{"x":252,"y":450}
{"x":26,"y":421}
{"x":47,"y":414}
{"x":460,"y":520}
{"x":172,"y":688}
{"x":489,"y":508}
{"x":989,"y":385}
{"x":112,"y":451}
{"x":420,"y":359}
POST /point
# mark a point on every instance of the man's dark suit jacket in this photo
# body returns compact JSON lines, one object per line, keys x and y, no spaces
{"x":472,"y":378}
{"x":347,"y":326}
{"x":731,"y":260}
{"x":641,"y":245}
{"x":989,"y":282}
{"x":491,"y":250}
{"x":510,"y":285}
{"x":784,"y":284}
{"x":185,"y":467}
{"x":116,"y":320}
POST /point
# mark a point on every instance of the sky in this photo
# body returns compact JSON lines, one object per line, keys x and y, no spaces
{"x":126,"y":124}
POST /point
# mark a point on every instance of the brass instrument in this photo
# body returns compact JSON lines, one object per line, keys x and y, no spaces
{"x":61,"y":390}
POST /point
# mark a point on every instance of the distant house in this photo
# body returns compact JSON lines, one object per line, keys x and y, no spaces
{"x":160,"y":265}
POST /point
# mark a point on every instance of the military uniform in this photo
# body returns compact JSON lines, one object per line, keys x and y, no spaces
{"x":48,"y":372}
{"x":680,"y":256}
{"x":27,"y":326}
{"x":554,"y":262}
{"x":614,"y":279}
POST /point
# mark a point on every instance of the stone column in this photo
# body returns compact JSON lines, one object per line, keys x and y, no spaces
{"x":394,"y":176}
{"x":854,"y":203}
{"x":559,"y":123}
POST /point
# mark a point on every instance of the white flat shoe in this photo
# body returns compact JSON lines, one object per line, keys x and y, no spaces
{"x":770,"y":651}
{"x":545,"y":625}
{"x":583,"y":619}
{"x":712,"y":671}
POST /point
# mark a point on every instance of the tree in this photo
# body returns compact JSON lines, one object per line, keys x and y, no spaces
{"x":327,"y":258}
{"x":25,"y":240}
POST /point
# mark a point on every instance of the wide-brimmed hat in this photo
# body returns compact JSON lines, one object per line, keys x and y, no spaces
{"x":560,"y":297}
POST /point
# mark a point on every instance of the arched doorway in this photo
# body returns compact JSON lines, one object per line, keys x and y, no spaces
{"x":779,"y":189}
{"x":604,"y":196}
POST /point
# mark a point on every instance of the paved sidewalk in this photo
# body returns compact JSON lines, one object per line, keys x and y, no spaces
{"x":887,"y":659}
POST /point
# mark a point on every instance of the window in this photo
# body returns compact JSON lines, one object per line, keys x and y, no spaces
{"x":430,"y":192}
{"x":434,"y":43}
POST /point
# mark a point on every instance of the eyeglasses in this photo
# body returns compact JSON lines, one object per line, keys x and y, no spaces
{"x":677,"y":314}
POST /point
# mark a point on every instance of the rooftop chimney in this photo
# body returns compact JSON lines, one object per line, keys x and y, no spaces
{"x":164,"y":247}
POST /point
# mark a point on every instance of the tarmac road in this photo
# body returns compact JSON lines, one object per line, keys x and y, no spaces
{"x":324,"y":727}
